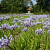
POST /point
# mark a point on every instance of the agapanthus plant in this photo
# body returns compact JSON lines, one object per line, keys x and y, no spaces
{"x":5,"y":41}
{"x":15,"y":26}
{"x":45,"y":27}
{"x":26,"y":23}
{"x":13,"y":22}
{"x":16,"y":19}
{"x":7,"y":17}
{"x":32,"y":24}
{"x":5,"y":26}
{"x":39,"y":31}
{"x":48,"y":31}
{"x":25,"y":29}
{"x":1,"y":19}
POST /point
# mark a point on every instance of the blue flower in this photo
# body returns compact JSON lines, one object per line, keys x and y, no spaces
{"x":48,"y":31}
{"x":25,"y":29}
{"x":6,"y":41}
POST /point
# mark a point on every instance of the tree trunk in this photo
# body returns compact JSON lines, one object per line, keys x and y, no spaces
{"x":41,"y":10}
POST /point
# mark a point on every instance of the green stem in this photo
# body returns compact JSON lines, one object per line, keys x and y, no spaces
{"x":10,"y":47}
{"x":45,"y":39}
{"x":34,"y":37}
{"x":14,"y":40}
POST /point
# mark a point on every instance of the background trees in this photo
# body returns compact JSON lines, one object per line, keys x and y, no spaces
{"x":43,"y":5}
{"x":20,"y":6}
{"x":12,"y":6}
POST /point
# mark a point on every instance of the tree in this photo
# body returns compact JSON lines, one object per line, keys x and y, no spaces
{"x":43,"y":5}
{"x":12,"y":6}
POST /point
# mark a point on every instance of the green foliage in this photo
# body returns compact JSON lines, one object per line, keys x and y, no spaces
{"x":20,"y":6}
{"x":12,"y":6}
{"x":42,"y":6}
